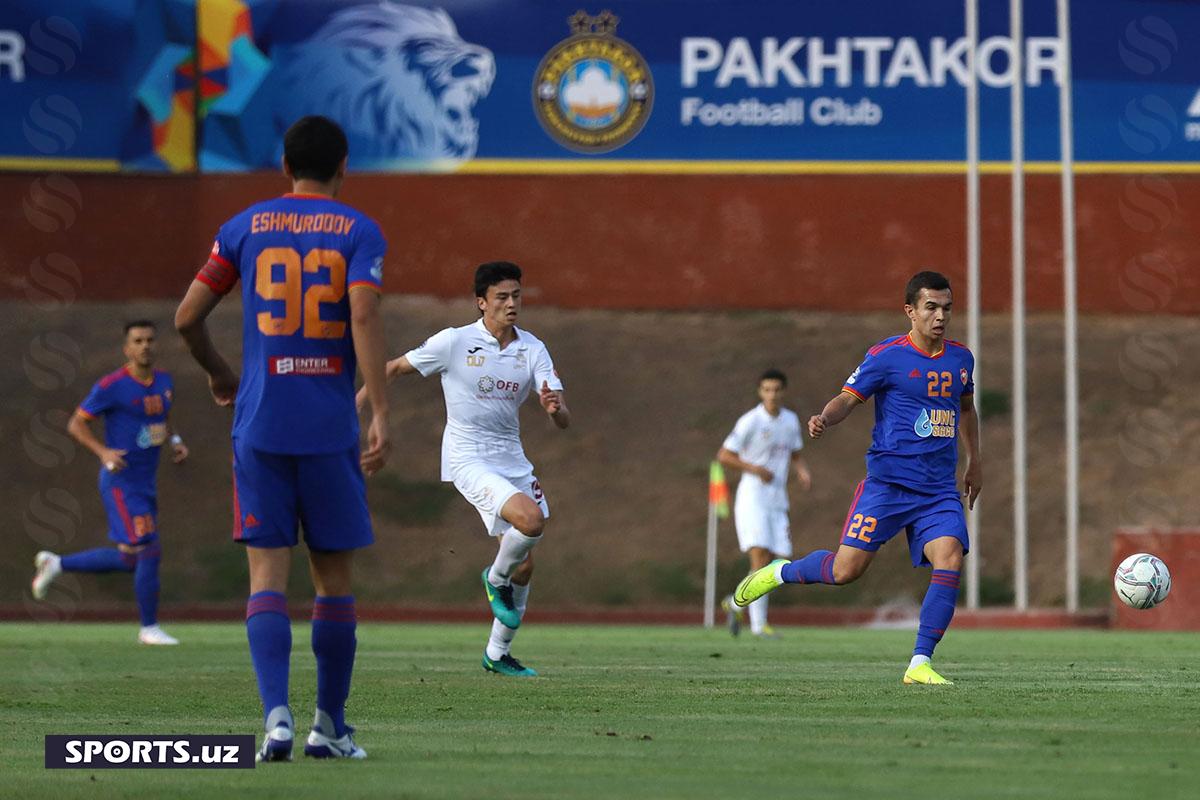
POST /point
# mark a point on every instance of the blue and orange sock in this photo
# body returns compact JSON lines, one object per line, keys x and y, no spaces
{"x":145,"y":583}
{"x":270,"y":634}
{"x":333,"y":643}
{"x":816,"y":567}
{"x":936,"y":611}
{"x":100,"y":559}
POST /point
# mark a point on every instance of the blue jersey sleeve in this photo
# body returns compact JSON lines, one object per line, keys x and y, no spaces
{"x":868,"y":378}
{"x":969,"y":369}
{"x":366,"y":263}
{"x":98,"y":401}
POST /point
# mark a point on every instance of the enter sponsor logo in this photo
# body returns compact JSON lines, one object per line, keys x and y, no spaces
{"x":305,"y":365}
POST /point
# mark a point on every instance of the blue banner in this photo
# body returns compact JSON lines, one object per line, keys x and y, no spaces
{"x":98,"y":84}
{"x":512,"y":85}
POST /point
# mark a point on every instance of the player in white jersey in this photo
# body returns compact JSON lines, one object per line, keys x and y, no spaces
{"x":488,"y":369}
{"x":765,"y":445}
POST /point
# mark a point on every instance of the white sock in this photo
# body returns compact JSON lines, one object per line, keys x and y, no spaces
{"x":918,"y":661}
{"x":779,"y":571}
{"x":514,"y":546}
{"x":520,"y":598}
{"x":758,"y":614}
{"x":500,"y":641}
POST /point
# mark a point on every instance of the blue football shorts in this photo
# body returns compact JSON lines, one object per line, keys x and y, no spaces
{"x":274,"y":494}
{"x":132,"y":509}
{"x":880,"y":510}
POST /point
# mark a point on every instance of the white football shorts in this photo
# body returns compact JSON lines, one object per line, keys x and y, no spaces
{"x":768,"y":528}
{"x":488,"y":491}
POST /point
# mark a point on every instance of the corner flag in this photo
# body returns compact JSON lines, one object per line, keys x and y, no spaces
{"x":718,"y":490}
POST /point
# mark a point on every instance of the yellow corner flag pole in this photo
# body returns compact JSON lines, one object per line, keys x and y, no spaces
{"x":718,"y":509}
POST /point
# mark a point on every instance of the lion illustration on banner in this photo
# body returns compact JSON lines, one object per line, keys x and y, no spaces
{"x":398,"y":78}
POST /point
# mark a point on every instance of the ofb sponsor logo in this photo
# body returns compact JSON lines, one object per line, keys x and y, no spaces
{"x":593,"y":92}
{"x":85,"y":751}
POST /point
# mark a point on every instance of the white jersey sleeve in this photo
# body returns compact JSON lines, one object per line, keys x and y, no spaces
{"x":433,"y":355}
{"x":738,"y":438}
{"x":797,"y":439}
{"x":543,"y":371}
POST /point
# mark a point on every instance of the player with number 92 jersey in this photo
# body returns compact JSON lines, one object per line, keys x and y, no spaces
{"x":311,"y":269}
{"x":297,"y":257}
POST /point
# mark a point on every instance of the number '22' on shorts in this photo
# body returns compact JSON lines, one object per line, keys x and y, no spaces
{"x":880,"y":510}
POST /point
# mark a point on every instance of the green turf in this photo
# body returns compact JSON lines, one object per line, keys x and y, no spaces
{"x":635,"y":712}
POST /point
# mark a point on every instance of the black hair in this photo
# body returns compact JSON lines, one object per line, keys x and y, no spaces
{"x":773,"y":375}
{"x":139,"y":323}
{"x":934,"y":281}
{"x":314,"y":148}
{"x":494,"y":272}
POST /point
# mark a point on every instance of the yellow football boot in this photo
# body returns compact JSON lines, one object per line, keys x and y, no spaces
{"x":758,"y":583}
{"x":923,"y":673}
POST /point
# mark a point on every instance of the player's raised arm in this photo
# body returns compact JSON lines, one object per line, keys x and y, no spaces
{"x":370,"y":349}
{"x":834,"y":412}
{"x":190,"y":318}
{"x":555,"y":404}
{"x":969,"y":427}
{"x":397,"y":366}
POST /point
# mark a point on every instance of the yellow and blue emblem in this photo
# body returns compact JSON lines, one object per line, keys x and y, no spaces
{"x":593,"y":92}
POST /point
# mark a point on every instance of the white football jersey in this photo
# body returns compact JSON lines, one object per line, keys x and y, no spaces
{"x":765,"y":441}
{"x":484,"y":387}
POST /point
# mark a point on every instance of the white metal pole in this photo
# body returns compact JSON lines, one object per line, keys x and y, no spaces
{"x":710,"y":568}
{"x":973,"y":290}
{"x":1020,"y":534}
{"x":1070,"y":320}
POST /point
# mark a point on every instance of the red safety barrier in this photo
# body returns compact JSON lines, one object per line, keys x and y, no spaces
{"x":1179,"y":549}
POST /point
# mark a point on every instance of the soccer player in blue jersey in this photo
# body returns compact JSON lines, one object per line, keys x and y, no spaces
{"x":924,"y":399}
{"x":312,"y":272}
{"x":134,"y":403}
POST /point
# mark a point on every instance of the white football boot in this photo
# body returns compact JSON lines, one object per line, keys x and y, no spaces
{"x":152,"y":634}
{"x":48,"y":566}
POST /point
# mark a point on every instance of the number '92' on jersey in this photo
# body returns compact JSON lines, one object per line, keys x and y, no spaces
{"x":918,"y":399}
{"x":298,"y":257}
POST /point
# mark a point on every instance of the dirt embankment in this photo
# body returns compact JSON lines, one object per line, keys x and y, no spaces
{"x":652,"y":396}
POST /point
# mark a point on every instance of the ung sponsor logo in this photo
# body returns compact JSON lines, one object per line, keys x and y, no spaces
{"x":940,"y":423}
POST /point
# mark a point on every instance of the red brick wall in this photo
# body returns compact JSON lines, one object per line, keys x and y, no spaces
{"x":1179,"y":549}
{"x":830,"y":242}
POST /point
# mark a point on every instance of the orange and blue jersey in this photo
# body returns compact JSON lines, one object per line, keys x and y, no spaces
{"x":298,"y":257}
{"x":918,"y":398}
{"x":135,"y":420}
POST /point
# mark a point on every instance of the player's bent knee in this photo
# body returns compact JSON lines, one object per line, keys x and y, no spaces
{"x":846,"y":574}
{"x":532,"y":525}
{"x":849,"y":566}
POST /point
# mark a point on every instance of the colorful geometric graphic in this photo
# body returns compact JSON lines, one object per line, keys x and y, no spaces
{"x":397,"y":77}
{"x":167,"y":92}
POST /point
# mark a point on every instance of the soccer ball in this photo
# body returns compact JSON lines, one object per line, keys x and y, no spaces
{"x":1142,"y":581}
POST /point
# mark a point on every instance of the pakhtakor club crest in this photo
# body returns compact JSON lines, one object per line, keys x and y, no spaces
{"x":593,"y":92}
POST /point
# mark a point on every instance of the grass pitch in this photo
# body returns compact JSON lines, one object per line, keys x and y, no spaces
{"x":633,"y":712}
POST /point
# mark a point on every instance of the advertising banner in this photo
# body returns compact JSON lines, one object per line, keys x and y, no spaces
{"x":563,"y":86}
{"x":98,"y":84}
